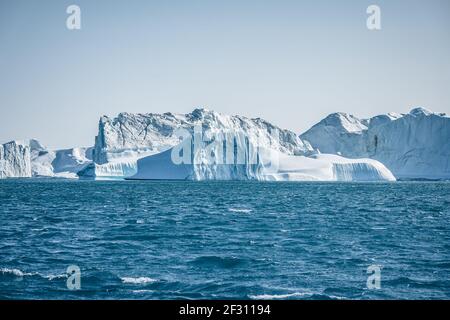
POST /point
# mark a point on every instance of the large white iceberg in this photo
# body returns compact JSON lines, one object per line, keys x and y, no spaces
{"x":123,"y":140}
{"x":320,"y":167}
{"x":243,"y":160}
{"x":413,"y":146}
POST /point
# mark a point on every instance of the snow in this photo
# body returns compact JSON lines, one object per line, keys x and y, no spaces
{"x":413,"y":146}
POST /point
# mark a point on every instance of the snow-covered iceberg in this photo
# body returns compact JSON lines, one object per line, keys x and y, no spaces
{"x":15,"y":161}
{"x":413,"y":146}
{"x":141,"y":146}
{"x":63,"y":163}
{"x":123,"y":140}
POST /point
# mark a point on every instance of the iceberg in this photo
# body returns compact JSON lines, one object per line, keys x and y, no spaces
{"x":415,"y":145}
{"x":341,"y":147}
{"x":15,"y":161}
{"x":142,"y":147}
{"x":123,"y":140}
{"x":209,"y":162}
{"x":118,"y":169}
{"x":291,"y":168}
{"x":63,"y":163}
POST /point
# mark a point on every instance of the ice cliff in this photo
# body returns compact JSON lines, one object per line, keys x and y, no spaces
{"x":15,"y":160}
{"x":415,"y":145}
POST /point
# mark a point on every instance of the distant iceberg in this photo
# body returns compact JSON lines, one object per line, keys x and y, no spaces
{"x":413,"y":146}
{"x":65,"y":163}
{"x":25,"y":159}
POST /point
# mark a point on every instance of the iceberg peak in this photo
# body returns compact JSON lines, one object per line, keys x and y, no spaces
{"x":420,"y":111}
{"x":346,"y":122}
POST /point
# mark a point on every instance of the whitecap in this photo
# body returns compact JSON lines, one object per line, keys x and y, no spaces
{"x":279,"y":296}
{"x":143,"y":291}
{"x":239,"y":210}
{"x":138,"y":280}
{"x":20,"y":273}
{"x":57,"y":276}
{"x":16,"y":272}
{"x":288,"y":295}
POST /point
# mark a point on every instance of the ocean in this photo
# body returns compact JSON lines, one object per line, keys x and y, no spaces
{"x":224,"y":240}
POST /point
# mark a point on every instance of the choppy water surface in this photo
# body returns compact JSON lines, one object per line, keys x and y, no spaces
{"x":221,"y":240}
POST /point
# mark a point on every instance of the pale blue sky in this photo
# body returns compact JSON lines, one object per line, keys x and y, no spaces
{"x":290,"y":62}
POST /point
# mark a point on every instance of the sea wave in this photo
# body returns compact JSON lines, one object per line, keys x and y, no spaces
{"x":143,"y":291}
{"x":137,"y":280}
{"x":19,"y":273}
{"x":306,"y":295}
{"x":240,"y":210}
{"x":279,"y":296}
{"x":16,"y":272}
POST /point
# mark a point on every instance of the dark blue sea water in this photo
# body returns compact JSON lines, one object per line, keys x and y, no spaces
{"x":224,"y":240}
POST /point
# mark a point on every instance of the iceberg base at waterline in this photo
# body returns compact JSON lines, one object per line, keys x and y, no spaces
{"x":115,"y":170}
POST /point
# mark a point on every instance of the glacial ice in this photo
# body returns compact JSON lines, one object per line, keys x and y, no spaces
{"x":413,"y":146}
{"x":123,"y":140}
{"x":15,"y":160}
{"x":139,"y":146}
{"x":58,"y":163}
{"x":321,"y":167}
{"x":146,"y":134}
{"x":111,"y":170}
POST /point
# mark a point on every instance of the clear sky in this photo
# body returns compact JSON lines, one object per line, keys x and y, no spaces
{"x":290,"y":62}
